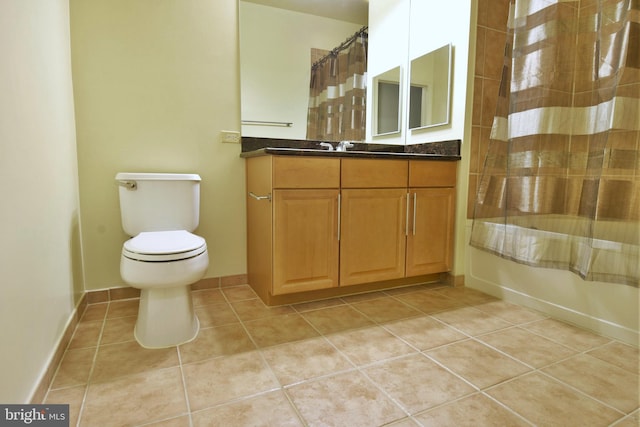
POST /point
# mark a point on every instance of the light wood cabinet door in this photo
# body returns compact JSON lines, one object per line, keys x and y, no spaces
{"x":372,"y":235}
{"x":431,"y":226}
{"x":305,"y":240}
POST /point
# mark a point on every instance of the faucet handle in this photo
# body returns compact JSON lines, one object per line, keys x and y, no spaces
{"x":343,"y":145}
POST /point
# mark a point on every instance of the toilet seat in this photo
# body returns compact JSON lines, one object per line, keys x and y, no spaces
{"x":163,"y":246}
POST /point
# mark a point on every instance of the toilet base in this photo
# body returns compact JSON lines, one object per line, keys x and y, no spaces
{"x":166,"y":317}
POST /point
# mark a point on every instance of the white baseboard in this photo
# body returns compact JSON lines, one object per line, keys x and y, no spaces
{"x":583,"y":320}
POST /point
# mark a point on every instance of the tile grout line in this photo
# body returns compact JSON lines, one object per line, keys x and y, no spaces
{"x":584,"y":394}
{"x":66,"y":350}
{"x":532,"y":370}
{"x":550,"y":338}
{"x":258,"y":350}
{"x":283,"y":387}
{"x":478,"y":390}
{"x":184,"y":386}
{"x":386,"y":394}
{"x":93,"y":366}
{"x":295,"y":408}
{"x":355,"y":367}
{"x":361,"y":369}
{"x":629,"y":417}
{"x":471,"y":338}
{"x":244,"y":328}
{"x":478,"y":338}
{"x":587,"y":353}
{"x":551,"y":377}
{"x":508,"y":408}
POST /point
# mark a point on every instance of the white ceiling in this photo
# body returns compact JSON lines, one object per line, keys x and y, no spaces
{"x":356,"y":11}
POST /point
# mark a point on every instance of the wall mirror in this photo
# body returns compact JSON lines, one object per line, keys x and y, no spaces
{"x":387,"y":98}
{"x":276,"y":39}
{"x":429,"y":93}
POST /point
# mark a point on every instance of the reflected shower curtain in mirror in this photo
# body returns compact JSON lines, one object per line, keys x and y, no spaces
{"x":337,"y":98}
{"x":560,"y":186}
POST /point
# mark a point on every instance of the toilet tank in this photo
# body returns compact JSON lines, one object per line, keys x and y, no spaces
{"x":158,"y":201}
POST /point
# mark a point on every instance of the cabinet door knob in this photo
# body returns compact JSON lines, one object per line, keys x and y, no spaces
{"x":255,"y":196}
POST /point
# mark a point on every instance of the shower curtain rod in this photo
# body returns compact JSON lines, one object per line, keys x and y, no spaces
{"x":342,"y":46}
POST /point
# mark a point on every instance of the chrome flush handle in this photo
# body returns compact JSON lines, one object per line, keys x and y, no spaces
{"x":129,"y":185}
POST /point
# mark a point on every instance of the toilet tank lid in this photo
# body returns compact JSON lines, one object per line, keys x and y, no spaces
{"x":137,"y":176}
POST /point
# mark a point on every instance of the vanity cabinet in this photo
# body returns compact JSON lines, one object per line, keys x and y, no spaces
{"x":322,"y":223}
{"x":292,"y":222}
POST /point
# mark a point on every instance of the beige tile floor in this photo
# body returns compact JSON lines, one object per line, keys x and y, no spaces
{"x":418,"y":356}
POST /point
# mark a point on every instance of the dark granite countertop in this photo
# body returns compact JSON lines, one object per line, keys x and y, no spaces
{"x":446,"y":150}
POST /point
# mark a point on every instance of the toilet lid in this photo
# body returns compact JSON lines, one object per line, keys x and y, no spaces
{"x":164,"y":246}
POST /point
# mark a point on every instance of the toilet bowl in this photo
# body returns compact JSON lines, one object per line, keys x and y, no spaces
{"x":162,"y":265}
{"x":164,"y":257}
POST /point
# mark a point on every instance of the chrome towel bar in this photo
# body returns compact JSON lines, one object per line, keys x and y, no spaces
{"x":255,"y":196}
{"x":266,"y":123}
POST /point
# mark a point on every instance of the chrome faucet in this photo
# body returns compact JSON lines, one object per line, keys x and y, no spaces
{"x":326,"y":145}
{"x":343,"y":145}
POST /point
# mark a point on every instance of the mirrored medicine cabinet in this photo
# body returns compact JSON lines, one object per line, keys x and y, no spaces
{"x":428,"y":97}
{"x":430,"y":89}
{"x":387,"y":99}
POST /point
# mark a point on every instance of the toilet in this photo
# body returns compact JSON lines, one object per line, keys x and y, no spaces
{"x":163,"y":257}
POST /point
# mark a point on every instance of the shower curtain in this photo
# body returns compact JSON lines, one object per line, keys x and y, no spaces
{"x":565,"y":140}
{"x":337,"y":99}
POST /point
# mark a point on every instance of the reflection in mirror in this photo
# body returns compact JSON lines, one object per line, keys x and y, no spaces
{"x":276,"y":40}
{"x":386,"y":102}
{"x":430,"y":89}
